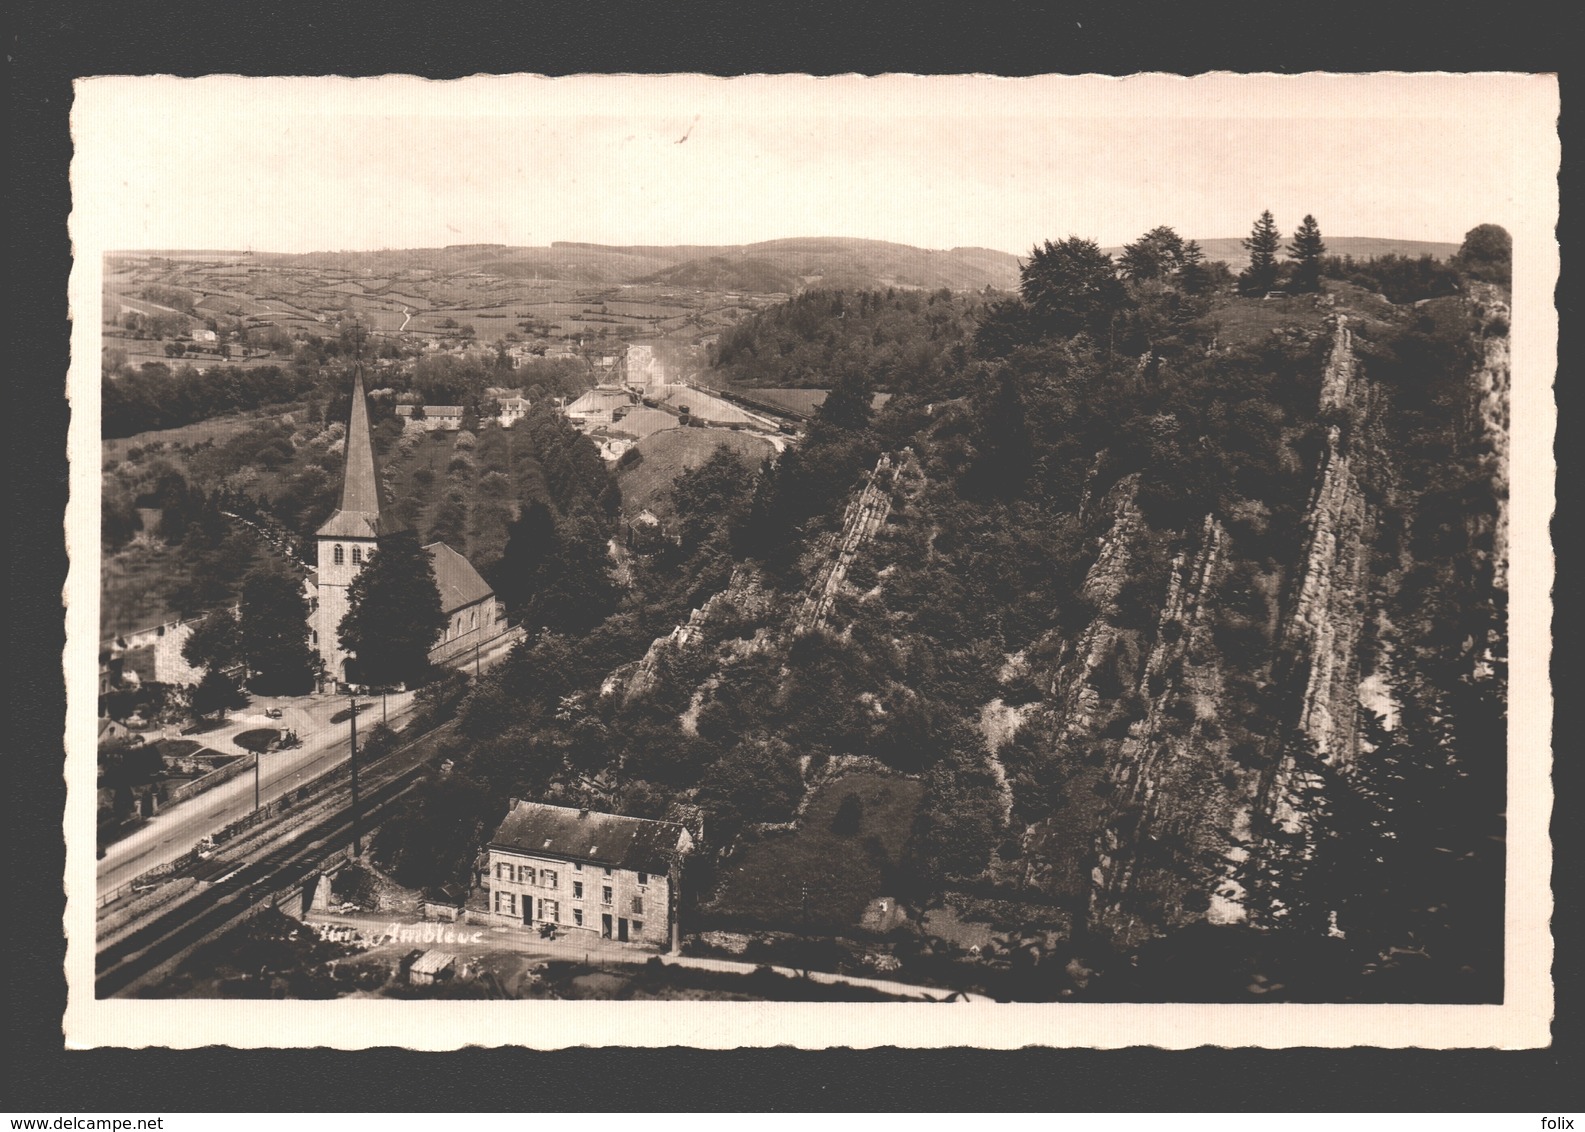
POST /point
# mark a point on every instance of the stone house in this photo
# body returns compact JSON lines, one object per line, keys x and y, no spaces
{"x":614,"y":877}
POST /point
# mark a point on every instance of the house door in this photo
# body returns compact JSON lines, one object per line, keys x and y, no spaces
{"x":528,"y":910}
{"x":621,"y":929}
{"x":605,"y":926}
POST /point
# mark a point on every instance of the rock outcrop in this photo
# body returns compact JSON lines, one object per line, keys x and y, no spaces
{"x":1328,"y":614}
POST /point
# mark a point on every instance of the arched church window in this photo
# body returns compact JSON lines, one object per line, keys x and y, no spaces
{"x":341,"y":555}
{"x":357,"y":555}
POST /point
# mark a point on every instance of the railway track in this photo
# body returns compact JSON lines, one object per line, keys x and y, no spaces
{"x":170,"y":934}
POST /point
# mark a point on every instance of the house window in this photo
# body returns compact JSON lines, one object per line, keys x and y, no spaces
{"x":605,"y":895}
{"x":643,"y":879}
{"x":506,"y":902}
{"x":548,"y":878}
{"x":503,"y":871}
{"x":341,"y":555}
{"x":577,"y":866}
{"x":577,"y":890}
{"x":607,"y":872}
{"x":638,"y":927}
{"x":550,"y":910}
{"x":577,"y":916}
{"x":638,"y":905}
{"x":357,"y":556}
{"x":525,"y":874}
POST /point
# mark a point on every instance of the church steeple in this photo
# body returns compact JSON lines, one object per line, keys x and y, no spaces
{"x":360,"y":514}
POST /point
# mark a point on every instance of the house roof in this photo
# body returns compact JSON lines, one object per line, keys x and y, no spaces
{"x":459,"y":583}
{"x":609,"y":840}
{"x":600,"y":400}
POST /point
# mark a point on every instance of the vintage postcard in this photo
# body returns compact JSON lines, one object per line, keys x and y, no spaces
{"x":920,"y":561}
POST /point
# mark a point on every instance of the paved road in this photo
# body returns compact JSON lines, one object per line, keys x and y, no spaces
{"x":172,"y":832}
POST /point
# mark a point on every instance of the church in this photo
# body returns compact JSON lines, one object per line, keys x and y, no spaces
{"x":348,"y":540}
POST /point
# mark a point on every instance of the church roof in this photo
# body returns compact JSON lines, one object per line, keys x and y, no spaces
{"x":360,"y":514}
{"x":459,"y":583}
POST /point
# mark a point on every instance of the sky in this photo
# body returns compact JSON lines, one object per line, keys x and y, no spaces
{"x":297,"y":165}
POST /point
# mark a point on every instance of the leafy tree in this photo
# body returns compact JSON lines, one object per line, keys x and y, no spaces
{"x":1487,"y":253}
{"x":272,"y":633}
{"x":1158,"y":254}
{"x":848,"y":404}
{"x":214,"y":643}
{"x":215,"y":693}
{"x":1072,"y":286}
{"x":394,"y":613}
{"x":1307,"y":250}
{"x":1262,"y":245}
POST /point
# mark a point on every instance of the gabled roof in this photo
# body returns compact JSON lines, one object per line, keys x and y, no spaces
{"x":608,"y":840}
{"x":459,"y":583}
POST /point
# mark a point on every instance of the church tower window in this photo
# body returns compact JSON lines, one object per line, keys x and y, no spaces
{"x":357,"y":555}
{"x":341,"y":555}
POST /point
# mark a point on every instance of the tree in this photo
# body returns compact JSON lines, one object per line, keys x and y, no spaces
{"x":1487,"y":253}
{"x":215,"y":693}
{"x":215,"y":642}
{"x":1306,"y":251}
{"x":1071,"y":286}
{"x":1193,"y":276}
{"x":272,"y":633}
{"x":1262,"y":245}
{"x":394,"y":613}
{"x":1158,"y":254}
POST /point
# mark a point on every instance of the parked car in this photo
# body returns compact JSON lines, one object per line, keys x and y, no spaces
{"x":272,"y":713}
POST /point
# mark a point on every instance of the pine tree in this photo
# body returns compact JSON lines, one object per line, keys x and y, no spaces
{"x":394,"y":613}
{"x":1307,"y":250}
{"x":1262,"y":245}
{"x":1193,"y":276}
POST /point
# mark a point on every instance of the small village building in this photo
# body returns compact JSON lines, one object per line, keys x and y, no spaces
{"x":513,"y":409}
{"x":433,"y":417}
{"x":599,"y":406}
{"x":614,"y":877}
{"x":203,"y":334}
{"x":432,"y":967}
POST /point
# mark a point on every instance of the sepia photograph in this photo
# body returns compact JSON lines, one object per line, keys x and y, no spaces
{"x":929,"y":560}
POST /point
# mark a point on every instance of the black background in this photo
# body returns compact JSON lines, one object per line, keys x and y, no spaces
{"x":53,"y":42}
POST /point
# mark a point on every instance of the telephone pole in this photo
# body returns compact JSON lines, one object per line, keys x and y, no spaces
{"x":357,"y":844}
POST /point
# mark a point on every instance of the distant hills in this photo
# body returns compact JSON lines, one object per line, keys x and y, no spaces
{"x":772,"y":266}
{"x":769,"y":267}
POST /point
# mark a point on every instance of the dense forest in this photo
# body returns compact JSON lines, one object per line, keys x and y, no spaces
{"x":1073,"y":630}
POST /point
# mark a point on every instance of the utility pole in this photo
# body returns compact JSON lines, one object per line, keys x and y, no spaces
{"x":476,"y":661}
{"x":258,"y":757}
{"x":357,"y":845}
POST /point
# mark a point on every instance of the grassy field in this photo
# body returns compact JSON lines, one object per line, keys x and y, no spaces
{"x":843,"y":872}
{"x":666,"y":455}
